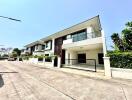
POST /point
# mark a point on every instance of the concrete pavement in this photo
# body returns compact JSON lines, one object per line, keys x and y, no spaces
{"x":19,"y":81}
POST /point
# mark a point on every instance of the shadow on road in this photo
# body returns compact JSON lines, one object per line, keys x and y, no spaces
{"x":1,"y":81}
{"x":8,"y":72}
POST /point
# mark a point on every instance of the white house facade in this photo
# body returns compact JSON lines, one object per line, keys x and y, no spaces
{"x":81,"y":46}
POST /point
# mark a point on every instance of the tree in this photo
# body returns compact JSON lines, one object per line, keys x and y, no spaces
{"x":117,"y":41}
{"x":127,"y":36}
{"x":16,"y":52}
{"x":124,"y":43}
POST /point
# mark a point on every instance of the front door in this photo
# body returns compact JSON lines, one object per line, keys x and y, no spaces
{"x":55,"y":61}
{"x":63,"y":57}
{"x":81,"y":58}
{"x":100,"y":58}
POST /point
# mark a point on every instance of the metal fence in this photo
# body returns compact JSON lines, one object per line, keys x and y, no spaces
{"x":89,"y":64}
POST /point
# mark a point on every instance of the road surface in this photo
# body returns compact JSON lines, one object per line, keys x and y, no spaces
{"x":20,"y":81}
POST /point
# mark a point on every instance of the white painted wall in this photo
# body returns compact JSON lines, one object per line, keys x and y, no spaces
{"x":121,"y":73}
{"x":53,"y":45}
{"x":83,"y":43}
{"x":38,"y":53}
{"x":90,"y":54}
{"x":67,"y":41}
{"x":90,"y":29}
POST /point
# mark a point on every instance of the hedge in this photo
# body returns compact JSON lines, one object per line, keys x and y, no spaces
{"x":121,"y":59}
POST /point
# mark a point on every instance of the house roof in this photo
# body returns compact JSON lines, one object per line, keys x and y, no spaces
{"x":94,"y":20}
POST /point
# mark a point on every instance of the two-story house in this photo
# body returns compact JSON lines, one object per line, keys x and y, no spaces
{"x":79,"y":45}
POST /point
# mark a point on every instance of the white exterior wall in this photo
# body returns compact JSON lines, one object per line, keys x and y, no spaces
{"x":70,"y":55}
{"x":122,"y":73}
{"x":82,"y":43}
{"x":38,"y":53}
{"x":50,"y":52}
{"x":90,"y":54}
{"x":53,"y":45}
{"x":29,"y":49}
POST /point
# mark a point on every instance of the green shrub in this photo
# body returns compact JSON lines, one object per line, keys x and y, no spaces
{"x":40,"y":58}
{"x":35,"y":56}
{"x":25,"y":58}
{"x":48,"y":58}
{"x":120,"y":59}
{"x":20,"y":59}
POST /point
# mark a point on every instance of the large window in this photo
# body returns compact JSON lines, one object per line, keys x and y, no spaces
{"x":43,"y":47}
{"x":36,"y":47}
{"x":78,"y":36}
{"x":48,"y":45}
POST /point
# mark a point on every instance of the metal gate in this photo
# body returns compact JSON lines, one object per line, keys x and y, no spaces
{"x":84,"y":64}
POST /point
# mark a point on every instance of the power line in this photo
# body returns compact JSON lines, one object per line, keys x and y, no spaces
{"x":11,"y":18}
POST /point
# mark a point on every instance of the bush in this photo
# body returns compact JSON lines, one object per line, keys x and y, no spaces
{"x":48,"y":59}
{"x":40,"y":58}
{"x":20,"y":59}
{"x":25,"y":58}
{"x":120,"y":59}
{"x":36,"y":56}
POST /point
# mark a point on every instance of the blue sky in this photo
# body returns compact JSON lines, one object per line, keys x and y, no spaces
{"x":41,"y":18}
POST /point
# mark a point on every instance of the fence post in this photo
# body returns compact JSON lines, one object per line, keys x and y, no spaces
{"x":95,"y":66}
{"x":107,"y":66}
{"x":59,"y":62}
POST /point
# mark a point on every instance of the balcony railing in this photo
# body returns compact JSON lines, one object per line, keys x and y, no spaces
{"x":81,"y":37}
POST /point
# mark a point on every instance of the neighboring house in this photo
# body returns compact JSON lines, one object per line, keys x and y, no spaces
{"x":80,"y":44}
{"x":5,"y":51}
{"x":35,"y":48}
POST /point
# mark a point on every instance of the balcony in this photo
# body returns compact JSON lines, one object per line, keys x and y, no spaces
{"x":39,"y":53}
{"x":82,"y":40}
{"x":25,"y":52}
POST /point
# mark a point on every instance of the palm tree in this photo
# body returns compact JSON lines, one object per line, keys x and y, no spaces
{"x":117,"y":41}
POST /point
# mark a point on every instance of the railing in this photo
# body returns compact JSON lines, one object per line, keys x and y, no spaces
{"x":80,"y":37}
{"x":89,"y":64}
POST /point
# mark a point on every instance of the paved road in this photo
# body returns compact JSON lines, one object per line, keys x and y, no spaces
{"x":19,"y":81}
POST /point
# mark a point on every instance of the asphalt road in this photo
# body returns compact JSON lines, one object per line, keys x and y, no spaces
{"x":20,"y":81}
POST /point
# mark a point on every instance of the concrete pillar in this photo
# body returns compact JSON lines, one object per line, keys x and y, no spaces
{"x":52,"y":63}
{"x":104,"y":43}
{"x":107,"y":68}
{"x":44,"y":61}
{"x":66,"y":57}
{"x":53,"y":45}
{"x":59,"y":62}
{"x":29,"y":50}
{"x":53,"y":48}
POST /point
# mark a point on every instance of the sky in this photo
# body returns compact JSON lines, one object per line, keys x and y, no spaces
{"x":41,"y":18}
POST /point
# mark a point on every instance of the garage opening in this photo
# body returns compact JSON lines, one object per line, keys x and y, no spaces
{"x":81,"y":58}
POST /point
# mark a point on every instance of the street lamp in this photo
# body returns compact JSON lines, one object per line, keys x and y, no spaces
{"x":10,"y":18}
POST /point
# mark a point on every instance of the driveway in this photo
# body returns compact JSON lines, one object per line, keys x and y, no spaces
{"x":20,"y":81}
